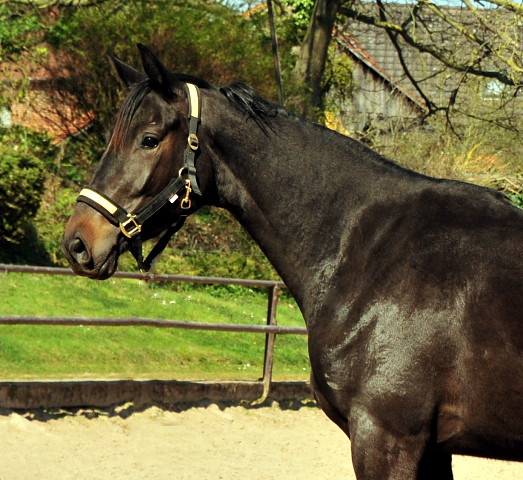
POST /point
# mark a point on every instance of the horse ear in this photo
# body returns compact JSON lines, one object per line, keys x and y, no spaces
{"x":127,"y":74}
{"x":157,"y":72}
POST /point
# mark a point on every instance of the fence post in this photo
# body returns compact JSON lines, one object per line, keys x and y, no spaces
{"x":269,"y":343}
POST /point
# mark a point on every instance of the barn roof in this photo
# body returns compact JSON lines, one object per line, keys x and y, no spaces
{"x":372,"y":46}
{"x":349,"y":42}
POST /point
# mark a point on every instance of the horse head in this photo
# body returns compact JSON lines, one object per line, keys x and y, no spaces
{"x":147,"y":180}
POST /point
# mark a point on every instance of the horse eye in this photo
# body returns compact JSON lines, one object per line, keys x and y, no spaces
{"x":150,"y":142}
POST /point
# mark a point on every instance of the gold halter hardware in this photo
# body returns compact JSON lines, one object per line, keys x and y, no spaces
{"x":194,"y":143}
{"x":186,"y":202}
{"x":135,"y":228}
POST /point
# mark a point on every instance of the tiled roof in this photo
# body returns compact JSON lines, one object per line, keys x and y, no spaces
{"x":349,"y":41}
{"x":434,"y":78}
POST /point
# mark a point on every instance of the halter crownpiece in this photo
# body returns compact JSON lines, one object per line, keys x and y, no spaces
{"x":189,"y":160}
{"x":131,"y":223}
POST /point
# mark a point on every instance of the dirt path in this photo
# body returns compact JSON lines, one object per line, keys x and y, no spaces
{"x":198,"y":443}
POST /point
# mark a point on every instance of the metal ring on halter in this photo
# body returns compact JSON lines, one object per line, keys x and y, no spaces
{"x":193,"y":142}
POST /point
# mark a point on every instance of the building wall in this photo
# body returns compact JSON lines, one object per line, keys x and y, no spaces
{"x":375,"y":103}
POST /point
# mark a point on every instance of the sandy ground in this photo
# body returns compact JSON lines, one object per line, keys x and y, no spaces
{"x":196,"y":443}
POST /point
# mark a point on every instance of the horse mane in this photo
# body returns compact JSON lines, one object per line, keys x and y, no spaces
{"x":248,"y":101}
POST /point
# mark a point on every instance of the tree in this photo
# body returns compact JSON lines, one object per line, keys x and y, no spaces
{"x":478,"y":40}
{"x":313,"y":53}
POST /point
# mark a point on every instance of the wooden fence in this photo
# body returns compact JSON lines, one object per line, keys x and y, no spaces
{"x":270,"y":330}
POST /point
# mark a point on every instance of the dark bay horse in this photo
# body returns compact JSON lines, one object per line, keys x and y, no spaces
{"x":411,"y":287}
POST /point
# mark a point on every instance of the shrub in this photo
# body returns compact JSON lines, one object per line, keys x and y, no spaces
{"x":21,"y":186}
{"x":24,"y":159}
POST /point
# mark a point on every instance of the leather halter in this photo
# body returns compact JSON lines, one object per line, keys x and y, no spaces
{"x":131,"y":223}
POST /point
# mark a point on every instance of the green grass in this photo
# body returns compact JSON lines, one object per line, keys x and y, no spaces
{"x":80,"y":352}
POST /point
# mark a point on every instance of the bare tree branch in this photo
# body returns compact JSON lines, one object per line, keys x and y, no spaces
{"x":507,"y":5}
{"x":393,"y":38}
{"x":505,"y":77}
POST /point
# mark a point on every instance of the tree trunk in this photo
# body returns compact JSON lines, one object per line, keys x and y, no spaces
{"x":313,"y":53}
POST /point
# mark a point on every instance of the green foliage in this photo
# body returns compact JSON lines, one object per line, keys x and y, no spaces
{"x":24,"y":162}
{"x":337,"y":83}
{"x":58,"y":203}
{"x":18,"y":28}
{"x":21,"y":186}
{"x":225,"y":263}
{"x":294,"y":24}
{"x":20,"y":32}
{"x":517,"y":199}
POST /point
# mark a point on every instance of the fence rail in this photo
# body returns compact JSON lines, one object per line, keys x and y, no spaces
{"x":150,"y":277}
{"x":148,"y":322}
{"x":270,"y":330}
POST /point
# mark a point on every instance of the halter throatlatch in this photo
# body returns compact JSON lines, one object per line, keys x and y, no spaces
{"x":179,"y":188}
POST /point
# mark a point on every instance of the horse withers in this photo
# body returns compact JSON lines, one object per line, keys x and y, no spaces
{"x":411,"y":287}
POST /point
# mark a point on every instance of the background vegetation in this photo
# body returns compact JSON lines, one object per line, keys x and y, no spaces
{"x":66,"y":44}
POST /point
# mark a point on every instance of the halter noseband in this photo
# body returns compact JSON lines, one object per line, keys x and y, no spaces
{"x":131,"y":223}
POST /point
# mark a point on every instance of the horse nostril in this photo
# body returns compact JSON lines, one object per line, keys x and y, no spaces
{"x":80,"y":252}
{"x":77,"y":246}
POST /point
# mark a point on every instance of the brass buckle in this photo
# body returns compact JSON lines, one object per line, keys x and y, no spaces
{"x":193,"y":142}
{"x":185,"y":204}
{"x":135,"y":227}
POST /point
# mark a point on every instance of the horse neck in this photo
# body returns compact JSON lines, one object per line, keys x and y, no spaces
{"x":296,"y":190}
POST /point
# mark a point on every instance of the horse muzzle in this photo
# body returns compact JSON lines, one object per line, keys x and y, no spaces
{"x":91,"y":245}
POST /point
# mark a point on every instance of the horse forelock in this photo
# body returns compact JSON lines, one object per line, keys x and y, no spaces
{"x":126,"y":113}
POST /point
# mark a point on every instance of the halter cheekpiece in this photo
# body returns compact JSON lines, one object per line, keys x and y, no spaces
{"x":179,"y":188}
